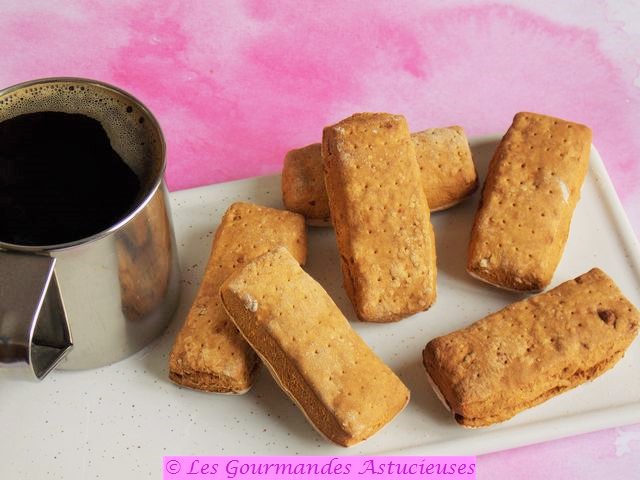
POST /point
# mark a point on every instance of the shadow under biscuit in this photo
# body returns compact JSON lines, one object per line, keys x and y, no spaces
{"x":192,"y":270}
{"x":482,"y":150}
{"x":453,"y":226}
{"x":423,"y":397}
{"x":323,"y":264}
{"x":452,"y":229}
{"x":273,"y":402}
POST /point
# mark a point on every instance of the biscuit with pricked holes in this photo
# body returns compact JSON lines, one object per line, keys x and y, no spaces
{"x":380,"y":215}
{"x":346,"y":392}
{"x":532,"y":350}
{"x":209,"y":354}
{"x":446,"y":168}
{"x":528,"y":199}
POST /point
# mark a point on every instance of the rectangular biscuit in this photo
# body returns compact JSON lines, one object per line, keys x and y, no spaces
{"x":303,"y":189}
{"x":345,"y":391}
{"x":532,"y":350}
{"x":209,"y":354}
{"x":446,"y":168}
{"x":528,"y":199}
{"x":380,"y":215}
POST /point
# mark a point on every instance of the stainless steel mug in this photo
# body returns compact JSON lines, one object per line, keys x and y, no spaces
{"x":95,"y":300}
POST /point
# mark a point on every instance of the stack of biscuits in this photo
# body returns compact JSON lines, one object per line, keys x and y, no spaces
{"x":376,"y":183}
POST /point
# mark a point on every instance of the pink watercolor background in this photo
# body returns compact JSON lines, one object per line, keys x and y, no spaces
{"x":237,"y":84}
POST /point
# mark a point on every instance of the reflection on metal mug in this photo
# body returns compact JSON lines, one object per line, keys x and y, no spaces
{"x":87,"y":302}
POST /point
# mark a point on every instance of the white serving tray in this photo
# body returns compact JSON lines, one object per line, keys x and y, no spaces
{"x":118,"y":421}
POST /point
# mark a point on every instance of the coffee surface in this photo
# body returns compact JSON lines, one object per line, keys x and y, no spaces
{"x":60,"y":179}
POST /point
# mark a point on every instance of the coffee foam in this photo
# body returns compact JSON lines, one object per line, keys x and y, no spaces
{"x":130,"y":129}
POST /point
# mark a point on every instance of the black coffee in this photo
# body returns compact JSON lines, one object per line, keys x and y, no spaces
{"x":60,"y":179}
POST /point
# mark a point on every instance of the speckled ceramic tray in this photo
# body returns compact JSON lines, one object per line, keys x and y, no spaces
{"x":119,"y":420}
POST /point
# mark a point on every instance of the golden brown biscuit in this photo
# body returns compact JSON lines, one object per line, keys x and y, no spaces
{"x":341,"y":386}
{"x":380,"y":214}
{"x":303,"y":189}
{"x":532,"y":350}
{"x":446,"y":168}
{"x":209,"y":353}
{"x":531,"y":190}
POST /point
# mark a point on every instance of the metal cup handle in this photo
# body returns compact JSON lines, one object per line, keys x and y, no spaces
{"x":34,"y":331}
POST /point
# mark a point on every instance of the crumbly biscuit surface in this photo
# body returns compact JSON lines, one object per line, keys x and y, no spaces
{"x":446,"y":166}
{"x":380,"y":215}
{"x":532,"y":350}
{"x":303,"y":189}
{"x":443,"y":155}
{"x":343,"y":388}
{"x":528,"y":199}
{"x":209,"y":354}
